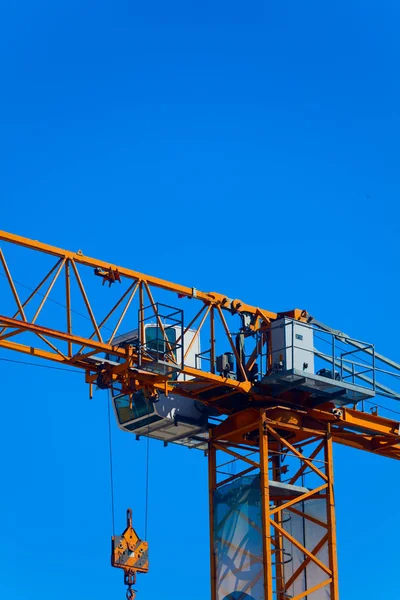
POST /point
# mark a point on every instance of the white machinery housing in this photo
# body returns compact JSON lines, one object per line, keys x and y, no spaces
{"x":292,"y":345}
{"x":334,"y":374}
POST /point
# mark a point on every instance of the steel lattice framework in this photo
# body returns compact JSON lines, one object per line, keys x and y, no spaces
{"x":257,"y":427}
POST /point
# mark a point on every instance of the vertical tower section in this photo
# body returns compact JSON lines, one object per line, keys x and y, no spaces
{"x":272,"y":513}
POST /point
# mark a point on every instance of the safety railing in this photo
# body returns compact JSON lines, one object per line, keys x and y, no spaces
{"x":314,"y":352}
{"x":160,"y":336}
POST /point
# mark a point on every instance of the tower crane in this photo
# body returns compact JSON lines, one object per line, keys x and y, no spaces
{"x":263,"y":394}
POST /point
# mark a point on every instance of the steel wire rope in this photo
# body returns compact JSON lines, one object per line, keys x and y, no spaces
{"x":360,"y":358}
{"x":146,"y":509}
{"x":396,"y":412}
{"x":109,"y":329}
{"x":31,"y":364}
{"x":54,"y":301}
{"x":112,"y":491}
{"x":109,"y":426}
{"x":342,"y":348}
{"x":363,"y":360}
{"x":111,"y":463}
{"x":366,"y":363}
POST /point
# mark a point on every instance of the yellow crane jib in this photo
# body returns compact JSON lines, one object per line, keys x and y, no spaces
{"x":265,"y":392}
{"x":129,"y":553}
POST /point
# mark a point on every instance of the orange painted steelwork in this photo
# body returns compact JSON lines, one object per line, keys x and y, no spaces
{"x":255,"y":422}
{"x":268,"y":438}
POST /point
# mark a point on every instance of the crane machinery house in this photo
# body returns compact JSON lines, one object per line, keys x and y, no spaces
{"x":298,"y":362}
{"x":170,"y":418}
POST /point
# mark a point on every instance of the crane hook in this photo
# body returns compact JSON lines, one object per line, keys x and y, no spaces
{"x":130,"y":594}
{"x":129,"y":553}
{"x":130,"y":580}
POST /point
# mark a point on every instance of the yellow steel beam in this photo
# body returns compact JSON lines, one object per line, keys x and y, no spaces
{"x":352,"y":428}
{"x":331,"y":518}
{"x":92,"y":344}
{"x":190,"y":292}
{"x":265,"y":510}
{"x":61,"y":335}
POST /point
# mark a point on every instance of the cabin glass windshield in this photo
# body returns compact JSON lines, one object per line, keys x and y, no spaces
{"x":140,"y":407}
{"x":155,"y":340}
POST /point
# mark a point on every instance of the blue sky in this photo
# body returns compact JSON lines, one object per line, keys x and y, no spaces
{"x":251,"y":149}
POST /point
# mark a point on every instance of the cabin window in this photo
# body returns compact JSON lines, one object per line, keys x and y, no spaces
{"x":140,"y":407}
{"x":155,"y":340}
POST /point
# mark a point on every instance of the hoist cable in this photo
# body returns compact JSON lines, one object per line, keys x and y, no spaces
{"x":396,"y":412}
{"x":111,"y":463}
{"x":146,"y":513}
{"x":147,"y":487}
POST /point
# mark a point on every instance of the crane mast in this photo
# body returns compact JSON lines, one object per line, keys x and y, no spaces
{"x":264,"y":394}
